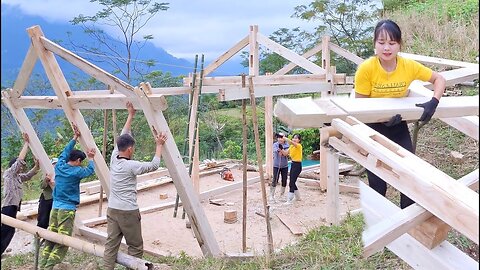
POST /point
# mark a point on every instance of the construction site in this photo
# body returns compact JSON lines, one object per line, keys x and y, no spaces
{"x":212,"y":216}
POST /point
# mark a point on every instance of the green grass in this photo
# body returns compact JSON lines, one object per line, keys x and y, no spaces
{"x":325,"y":247}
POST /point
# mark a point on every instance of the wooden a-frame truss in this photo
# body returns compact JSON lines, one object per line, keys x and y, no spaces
{"x":322,"y":79}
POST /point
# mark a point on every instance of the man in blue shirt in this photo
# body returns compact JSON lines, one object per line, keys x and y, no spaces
{"x":66,"y":196}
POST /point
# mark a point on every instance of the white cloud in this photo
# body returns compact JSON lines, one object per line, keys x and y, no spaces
{"x":189,"y":27}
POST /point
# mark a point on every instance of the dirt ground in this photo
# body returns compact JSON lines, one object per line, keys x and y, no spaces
{"x":163,"y":234}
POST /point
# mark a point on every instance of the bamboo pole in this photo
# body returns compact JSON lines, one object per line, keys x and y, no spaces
{"x":78,"y":244}
{"x":260,"y":166}
{"x":187,"y":146}
{"x":244,"y":135}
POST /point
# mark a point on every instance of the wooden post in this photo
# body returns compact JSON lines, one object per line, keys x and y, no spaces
{"x":260,"y":167}
{"x":325,"y":133}
{"x":333,"y":213}
{"x":75,"y":243}
{"x":244,"y":148}
{"x":326,"y":60}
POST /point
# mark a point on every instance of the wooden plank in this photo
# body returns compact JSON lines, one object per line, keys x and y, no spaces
{"x":290,"y":55}
{"x":346,"y":54}
{"x":306,"y":112}
{"x":437,"y":61}
{"x":382,"y":109}
{"x":62,"y":89}
{"x":24,"y":73}
{"x":433,"y":189}
{"x":382,"y":233}
{"x":308,"y":54}
{"x":268,"y":79}
{"x":445,"y":256}
{"x":333,"y":205}
{"x":145,"y":185}
{"x":227,"y":55}
{"x":466,"y":124}
{"x":99,"y":101}
{"x":88,"y":67}
{"x":293,"y":225}
{"x":178,"y":172}
{"x":236,"y":93}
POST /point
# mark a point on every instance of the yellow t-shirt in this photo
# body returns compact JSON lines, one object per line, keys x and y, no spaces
{"x":373,"y":81}
{"x":295,"y":152}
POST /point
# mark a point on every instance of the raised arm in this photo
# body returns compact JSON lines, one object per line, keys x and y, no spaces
{"x":27,"y":176}
{"x":131,"y":113}
{"x":23,"y":152}
{"x":145,"y":167}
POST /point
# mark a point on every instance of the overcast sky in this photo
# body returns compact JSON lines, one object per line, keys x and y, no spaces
{"x":190,"y":27}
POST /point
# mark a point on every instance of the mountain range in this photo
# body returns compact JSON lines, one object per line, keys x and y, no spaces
{"x":15,"y":43}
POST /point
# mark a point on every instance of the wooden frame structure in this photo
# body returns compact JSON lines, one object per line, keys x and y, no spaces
{"x":416,"y":234}
{"x":322,"y":80}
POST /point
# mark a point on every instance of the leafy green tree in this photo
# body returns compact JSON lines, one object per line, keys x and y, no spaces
{"x":127,"y":17}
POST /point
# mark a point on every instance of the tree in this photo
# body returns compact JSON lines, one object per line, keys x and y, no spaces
{"x":350,"y":24}
{"x":127,"y":17}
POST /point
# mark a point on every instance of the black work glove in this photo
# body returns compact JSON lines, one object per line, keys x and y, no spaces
{"x":395,"y":120}
{"x":429,"y":108}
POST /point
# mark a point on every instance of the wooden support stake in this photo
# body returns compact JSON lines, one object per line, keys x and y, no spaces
{"x":244,"y":174}
{"x":260,"y":165}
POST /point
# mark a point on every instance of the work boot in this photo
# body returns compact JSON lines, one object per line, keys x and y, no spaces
{"x":297,"y":195}
{"x":290,"y":198}
{"x":271,"y":197}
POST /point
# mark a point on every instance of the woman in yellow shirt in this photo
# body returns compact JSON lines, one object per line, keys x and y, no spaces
{"x":388,"y":75}
{"x":295,"y":153}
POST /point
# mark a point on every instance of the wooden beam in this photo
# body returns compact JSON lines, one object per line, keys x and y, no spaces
{"x":227,"y":55}
{"x":468,"y":125}
{"x":95,"y":102}
{"x":178,"y":172}
{"x":75,"y":243}
{"x":325,"y":134}
{"x":308,"y":112}
{"x":25,"y":72}
{"x":290,"y":55}
{"x":437,"y":61}
{"x":434,"y":190}
{"x":236,"y":93}
{"x":292,"y":224}
{"x":382,"y":233}
{"x":88,"y":67}
{"x":346,"y":54}
{"x":268,"y":79}
{"x":308,"y":54}
{"x":62,"y":89}
{"x":375,"y":207}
